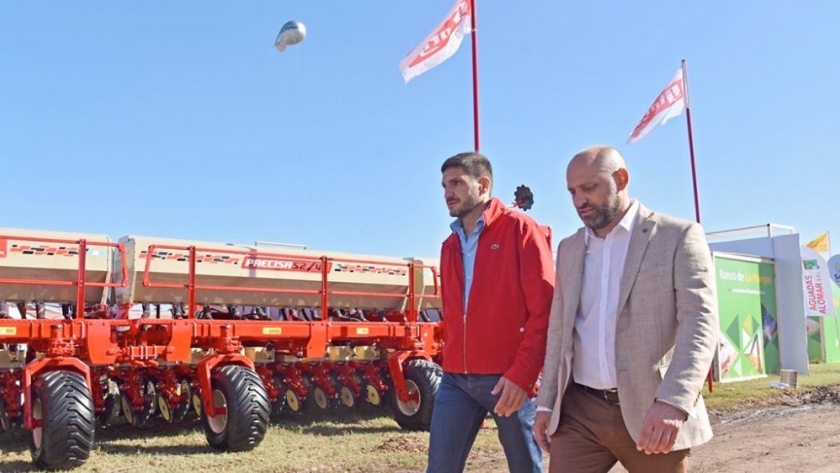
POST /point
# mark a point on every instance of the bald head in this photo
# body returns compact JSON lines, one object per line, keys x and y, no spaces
{"x":597,"y":179}
{"x":601,"y":159}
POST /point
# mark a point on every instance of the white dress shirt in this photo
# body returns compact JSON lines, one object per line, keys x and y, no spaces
{"x":593,"y":363}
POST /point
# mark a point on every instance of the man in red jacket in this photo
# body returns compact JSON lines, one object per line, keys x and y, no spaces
{"x":497,"y":278}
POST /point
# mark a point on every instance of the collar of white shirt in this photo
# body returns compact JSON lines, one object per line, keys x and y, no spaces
{"x":627,"y":222}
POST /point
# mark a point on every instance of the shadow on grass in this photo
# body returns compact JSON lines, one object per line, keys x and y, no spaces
{"x":17,"y":439}
{"x":338,"y":422}
{"x":175,"y":449}
{"x":155,"y":428}
{"x":330,"y":423}
{"x":18,"y":466}
{"x":333,"y":430}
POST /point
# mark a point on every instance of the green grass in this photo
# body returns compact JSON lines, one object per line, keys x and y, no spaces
{"x":366,"y":441}
{"x":731,"y":395}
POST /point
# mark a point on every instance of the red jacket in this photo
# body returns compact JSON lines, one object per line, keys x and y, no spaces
{"x":504,"y":330}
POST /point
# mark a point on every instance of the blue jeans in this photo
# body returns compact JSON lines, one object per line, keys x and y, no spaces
{"x":461,"y":404}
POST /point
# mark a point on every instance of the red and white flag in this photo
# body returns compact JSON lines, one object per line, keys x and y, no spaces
{"x":668,"y":105}
{"x":440,"y":44}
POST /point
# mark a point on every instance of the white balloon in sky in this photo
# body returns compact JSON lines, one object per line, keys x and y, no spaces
{"x":292,"y":33}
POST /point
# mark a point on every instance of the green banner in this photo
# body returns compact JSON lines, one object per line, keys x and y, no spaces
{"x":749,"y":344}
{"x":831,"y":328}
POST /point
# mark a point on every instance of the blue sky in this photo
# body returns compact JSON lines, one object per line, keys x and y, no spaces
{"x":180,"y":119}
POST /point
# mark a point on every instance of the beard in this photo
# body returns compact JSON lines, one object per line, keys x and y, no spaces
{"x":466,"y":206}
{"x":601,"y":215}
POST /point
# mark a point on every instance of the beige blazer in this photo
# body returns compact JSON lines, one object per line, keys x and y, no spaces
{"x":667,"y":324}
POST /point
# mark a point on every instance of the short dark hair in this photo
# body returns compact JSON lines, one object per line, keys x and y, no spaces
{"x":476,"y":165}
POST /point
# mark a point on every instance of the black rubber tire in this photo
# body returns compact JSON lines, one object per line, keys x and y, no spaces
{"x":67,"y":421}
{"x":426,"y":376}
{"x":248,"y":410}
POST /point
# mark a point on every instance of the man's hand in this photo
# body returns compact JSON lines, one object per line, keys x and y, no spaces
{"x":541,"y":422}
{"x":659,"y":431}
{"x":513,"y":397}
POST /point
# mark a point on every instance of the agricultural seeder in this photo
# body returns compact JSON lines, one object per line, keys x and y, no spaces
{"x":234,"y":333}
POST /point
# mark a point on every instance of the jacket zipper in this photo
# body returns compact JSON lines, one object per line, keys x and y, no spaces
{"x":465,"y":342}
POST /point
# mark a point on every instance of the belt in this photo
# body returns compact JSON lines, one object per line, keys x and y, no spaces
{"x":608,"y":395}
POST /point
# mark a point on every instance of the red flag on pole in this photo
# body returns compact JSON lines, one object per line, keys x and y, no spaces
{"x":440,"y":44}
{"x":669,"y":104}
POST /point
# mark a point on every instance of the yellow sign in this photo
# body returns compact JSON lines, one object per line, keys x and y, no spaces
{"x":273,"y":331}
{"x":6,"y":331}
{"x":362,"y":331}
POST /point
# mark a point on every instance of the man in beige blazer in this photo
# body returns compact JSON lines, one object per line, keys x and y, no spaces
{"x":632,"y":331}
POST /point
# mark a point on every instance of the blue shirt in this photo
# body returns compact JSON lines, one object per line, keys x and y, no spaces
{"x":469,"y":247}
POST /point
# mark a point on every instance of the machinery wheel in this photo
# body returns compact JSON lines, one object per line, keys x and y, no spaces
{"x":370,"y":395}
{"x":196,"y":403}
{"x":241,"y":392}
{"x":164,"y":408}
{"x":422,"y":380}
{"x":293,"y":403}
{"x":346,"y":397}
{"x":111,"y":411}
{"x":177,"y":412}
{"x":319,"y":398}
{"x":280,"y":402}
{"x":139,"y":418}
{"x":181,"y":410}
{"x":61,"y":400}
{"x":125,"y":408}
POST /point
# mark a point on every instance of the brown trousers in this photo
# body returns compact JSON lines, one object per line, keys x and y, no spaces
{"x":592,"y":437}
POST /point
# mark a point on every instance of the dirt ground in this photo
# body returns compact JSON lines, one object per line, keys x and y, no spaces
{"x":797,"y":432}
{"x":793,"y":433}
{"x":802,"y":439}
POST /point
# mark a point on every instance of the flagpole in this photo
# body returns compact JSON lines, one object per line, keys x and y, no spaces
{"x":710,"y":378}
{"x":690,"y":141}
{"x":475,"y":74}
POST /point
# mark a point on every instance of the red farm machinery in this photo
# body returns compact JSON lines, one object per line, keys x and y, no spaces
{"x":92,"y":329}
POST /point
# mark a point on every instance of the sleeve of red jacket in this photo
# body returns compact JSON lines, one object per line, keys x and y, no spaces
{"x":536,"y":276}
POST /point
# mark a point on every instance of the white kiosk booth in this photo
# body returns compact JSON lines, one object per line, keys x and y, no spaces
{"x":762,"y":263}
